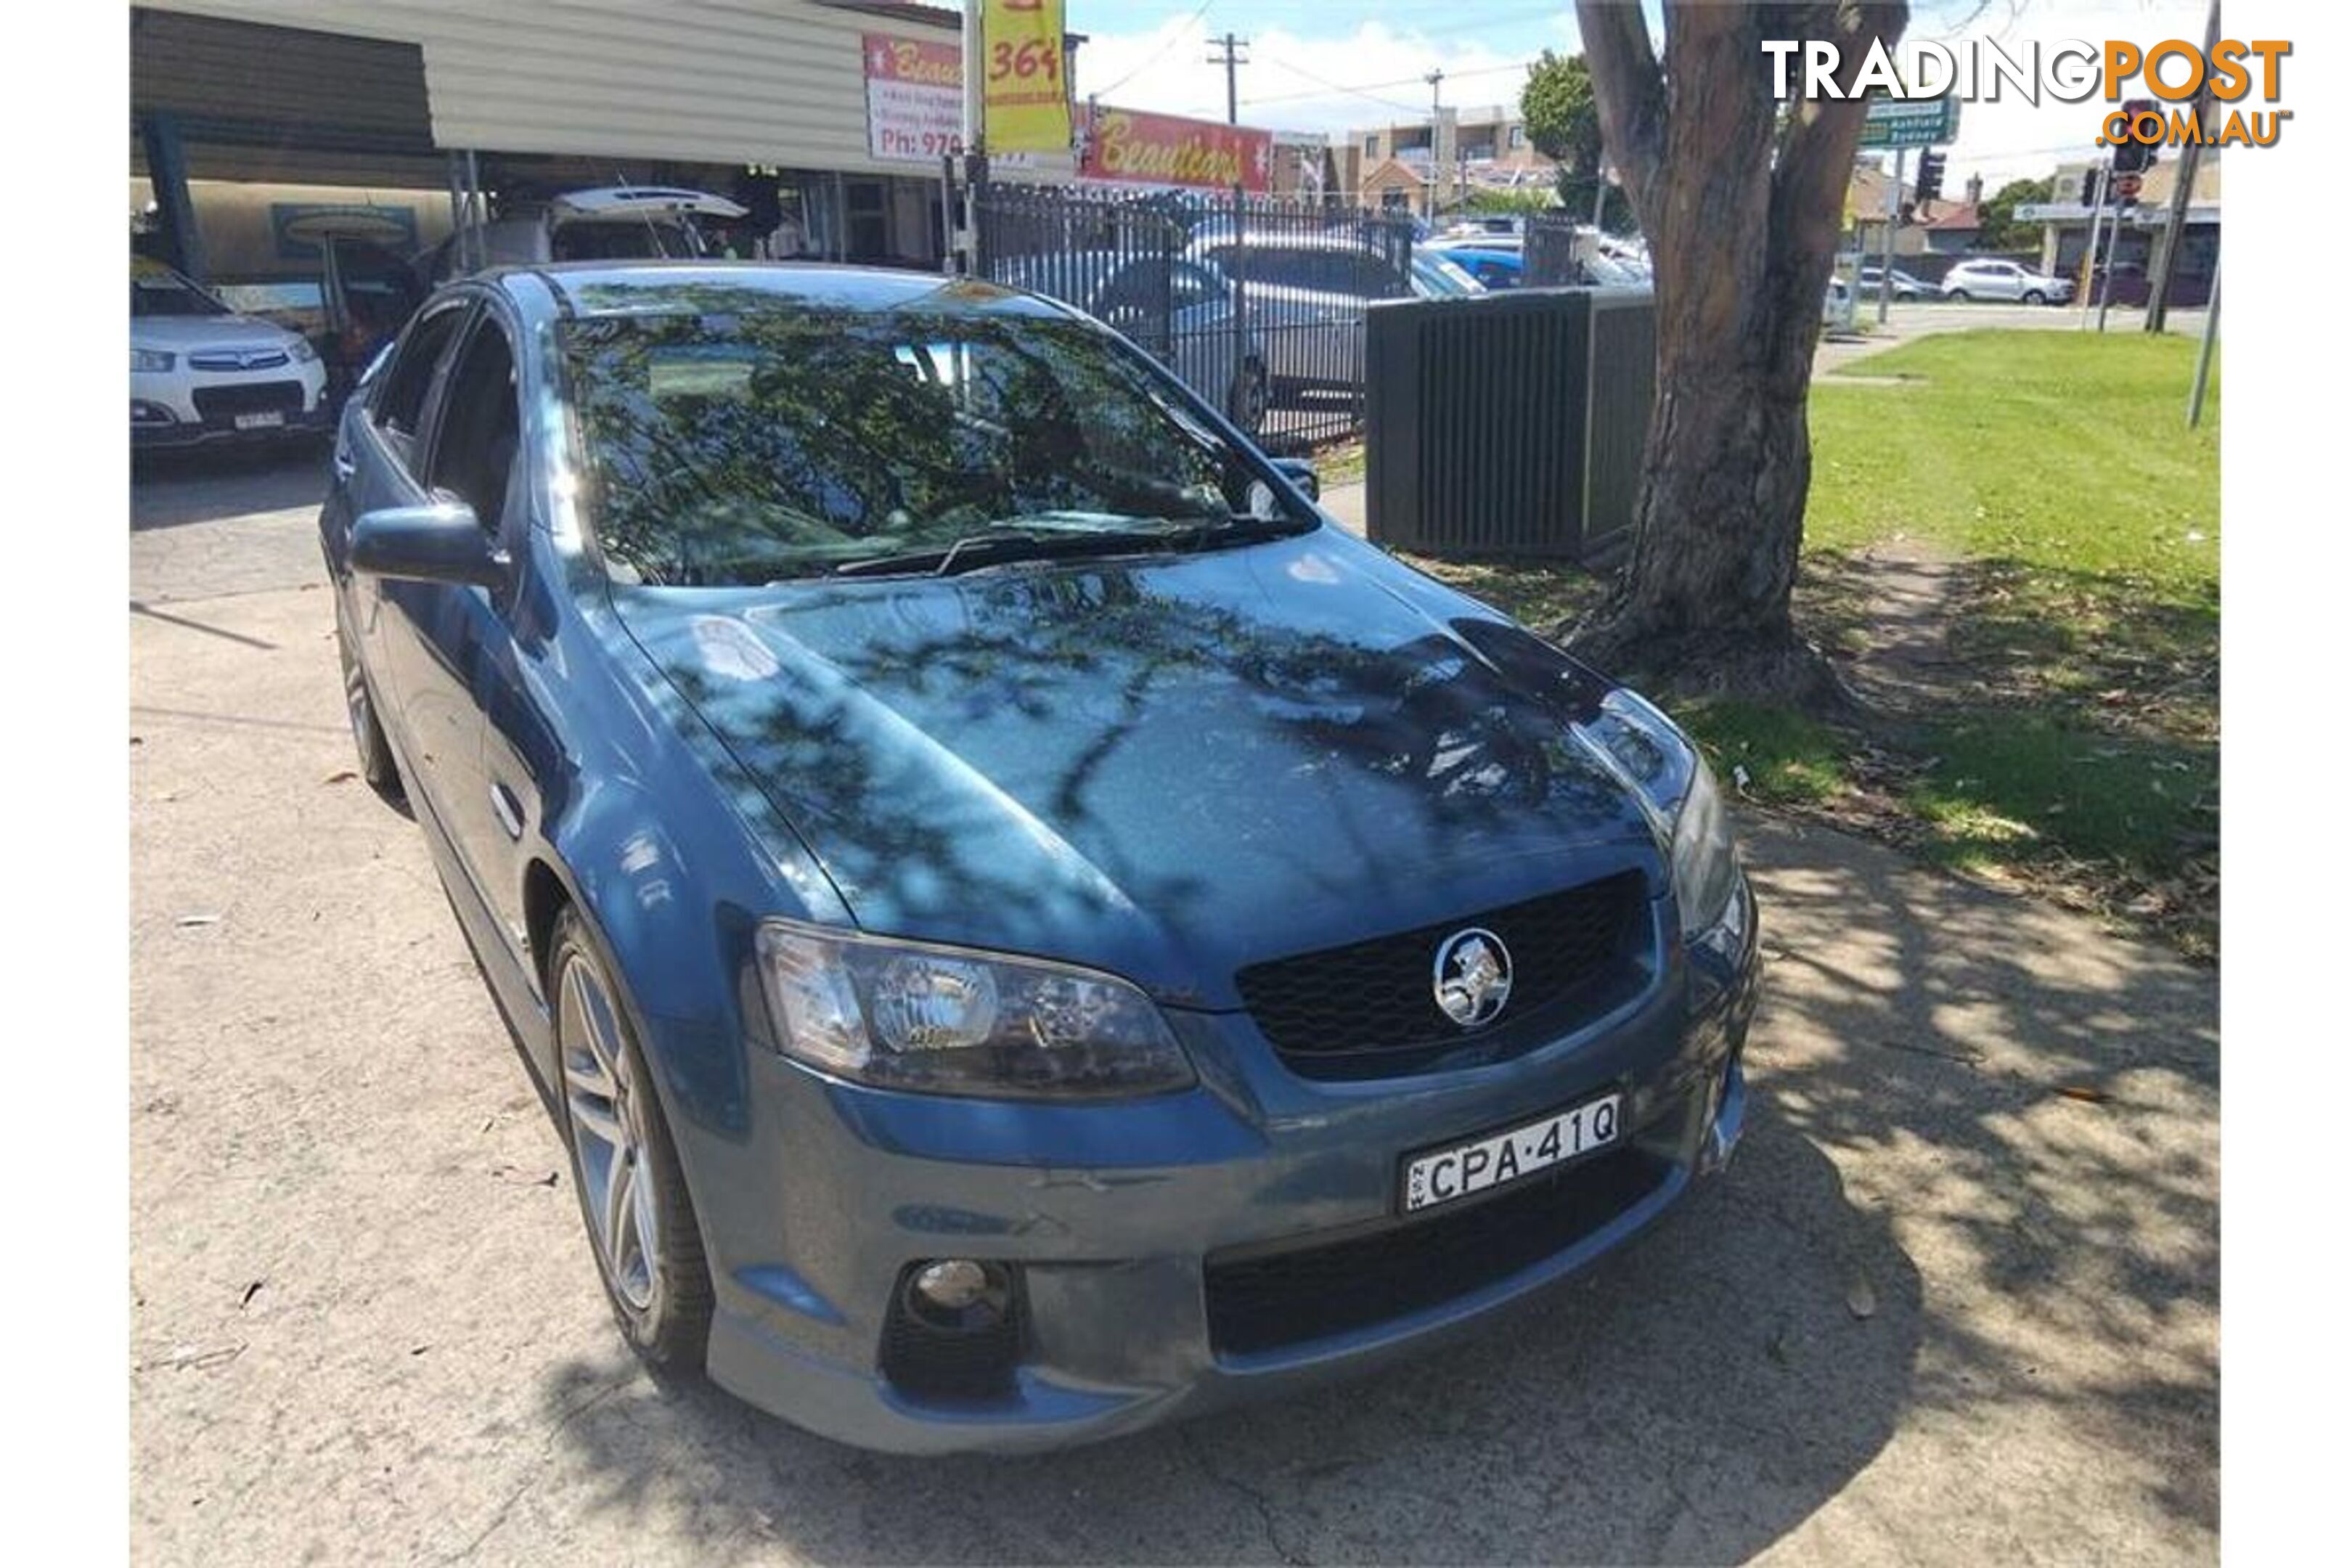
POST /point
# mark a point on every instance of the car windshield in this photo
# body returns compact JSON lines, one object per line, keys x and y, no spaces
{"x":736,"y":447}
{"x":160,"y":291}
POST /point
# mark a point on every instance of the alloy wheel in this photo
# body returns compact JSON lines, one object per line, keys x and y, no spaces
{"x":1250,"y":399}
{"x":609,"y":1152}
{"x":356,"y":702}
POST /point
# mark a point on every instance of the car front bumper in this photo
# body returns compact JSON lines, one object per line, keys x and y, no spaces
{"x":1141,"y":1233}
{"x":185,"y":407}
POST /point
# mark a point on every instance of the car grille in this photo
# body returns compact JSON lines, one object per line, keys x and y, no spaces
{"x":222,"y":404}
{"x":1271,"y":1301}
{"x":236,"y":359}
{"x":1328,"y":1012}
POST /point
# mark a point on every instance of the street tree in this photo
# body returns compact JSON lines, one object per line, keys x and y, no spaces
{"x":1742,"y":203}
{"x":1998,"y":224}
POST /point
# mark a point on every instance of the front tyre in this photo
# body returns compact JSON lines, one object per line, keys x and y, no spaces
{"x":1246,"y":404}
{"x":376,"y":764}
{"x":2033,"y":297}
{"x":1957,"y":297}
{"x":633,"y":1194}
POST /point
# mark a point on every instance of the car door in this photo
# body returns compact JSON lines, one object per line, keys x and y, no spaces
{"x":1201,"y":330}
{"x":459,"y":631}
{"x":376,"y":466}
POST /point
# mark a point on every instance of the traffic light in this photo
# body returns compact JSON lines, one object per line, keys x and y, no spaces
{"x":2089,"y":186}
{"x":2132,"y":156}
{"x":1930,"y":185}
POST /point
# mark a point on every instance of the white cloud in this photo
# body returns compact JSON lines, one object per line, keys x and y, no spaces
{"x":2018,"y":141}
{"x":1287,"y":83}
{"x":1284,"y":84}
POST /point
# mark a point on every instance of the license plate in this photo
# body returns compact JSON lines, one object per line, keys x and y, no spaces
{"x":1479,"y":1165}
{"x":261,"y":421}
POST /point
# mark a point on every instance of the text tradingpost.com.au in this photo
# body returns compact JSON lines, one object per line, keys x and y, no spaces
{"x":2069,"y":70}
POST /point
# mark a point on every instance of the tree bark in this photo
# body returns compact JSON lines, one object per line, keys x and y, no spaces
{"x":1742,"y":207}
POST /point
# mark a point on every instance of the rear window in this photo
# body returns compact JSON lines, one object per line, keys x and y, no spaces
{"x":158,"y":290}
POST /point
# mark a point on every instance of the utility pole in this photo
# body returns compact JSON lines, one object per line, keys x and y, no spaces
{"x":2091,"y":256}
{"x":1231,"y":59}
{"x":2205,"y":349}
{"x":2184,"y":179}
{"x":1429,"y":199}
{"x":1886,"y":248}
{"x":965,"y":243}
{"x":1227,"y":52}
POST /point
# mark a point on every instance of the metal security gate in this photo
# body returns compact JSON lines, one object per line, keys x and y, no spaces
{"x":1257,"y":305}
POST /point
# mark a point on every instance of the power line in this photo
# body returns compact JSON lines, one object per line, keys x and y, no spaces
{"x":1153,"y":58}
{"x":1365,"y":89}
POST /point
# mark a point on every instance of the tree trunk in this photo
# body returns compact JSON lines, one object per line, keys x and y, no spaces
{"x":1743,"y":211}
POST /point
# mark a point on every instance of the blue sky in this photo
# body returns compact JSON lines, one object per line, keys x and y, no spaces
{"x":1341,"y":65}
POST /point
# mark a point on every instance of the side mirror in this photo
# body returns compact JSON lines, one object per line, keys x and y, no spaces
{"x":443,"y":542}
{"x":1300,"y":472}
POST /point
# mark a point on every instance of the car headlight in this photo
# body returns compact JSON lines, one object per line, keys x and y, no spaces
{"x":151,"y":359}
{"x":301,"y":351}
{"x":942,"y":1020}
{"x":1654,"y":756}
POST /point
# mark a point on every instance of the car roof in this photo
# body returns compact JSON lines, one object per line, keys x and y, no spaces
{"x":680,"y":287}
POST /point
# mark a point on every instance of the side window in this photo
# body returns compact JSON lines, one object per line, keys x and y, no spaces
{"x":400,"y":396}
{"x":482,"y":425}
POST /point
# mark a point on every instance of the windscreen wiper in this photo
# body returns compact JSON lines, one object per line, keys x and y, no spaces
{"x":997,"y":547}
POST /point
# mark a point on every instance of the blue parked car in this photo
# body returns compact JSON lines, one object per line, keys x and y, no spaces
{"x":1493,"y":265}
{"x":1024,"y":927}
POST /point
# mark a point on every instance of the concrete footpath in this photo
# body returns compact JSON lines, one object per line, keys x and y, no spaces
{"x":1956,"y":1302}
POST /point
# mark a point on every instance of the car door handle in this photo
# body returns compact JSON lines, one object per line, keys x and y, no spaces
{"x":508,"y":809}
{"x":345,"y":465}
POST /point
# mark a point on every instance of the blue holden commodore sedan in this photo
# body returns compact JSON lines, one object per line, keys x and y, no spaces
{"x":1024,"y":927}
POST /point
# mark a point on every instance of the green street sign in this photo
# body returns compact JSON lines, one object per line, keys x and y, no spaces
{"x":1910,"y":121}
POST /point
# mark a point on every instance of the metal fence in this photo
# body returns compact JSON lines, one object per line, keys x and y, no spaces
{"x":1548,"y":251}
{"x":1257,"y":304}
{"x":1511,"y":426}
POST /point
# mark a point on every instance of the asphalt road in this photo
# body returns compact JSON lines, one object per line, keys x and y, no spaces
{"x":1956,"y":1302}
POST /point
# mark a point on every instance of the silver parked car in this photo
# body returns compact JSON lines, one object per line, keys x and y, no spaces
{"x":1136,"y":294}
{"x":1905,"y":286}
{"x":1305,"y":295}
{"x":1993,"y":279}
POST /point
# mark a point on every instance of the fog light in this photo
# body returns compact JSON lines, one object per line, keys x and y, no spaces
{"x":953,"y":1331}
{"x":952,"y":1284}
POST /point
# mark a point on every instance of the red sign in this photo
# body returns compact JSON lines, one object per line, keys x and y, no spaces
{"x":1134,"y":148}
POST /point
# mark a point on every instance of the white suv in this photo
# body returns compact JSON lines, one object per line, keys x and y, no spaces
{"x":201,"y":373}
{"x":2003,"y":281}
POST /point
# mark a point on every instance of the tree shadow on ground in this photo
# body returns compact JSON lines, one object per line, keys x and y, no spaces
{"x":1964,"y":1277}
{"x":1689,"y":1399}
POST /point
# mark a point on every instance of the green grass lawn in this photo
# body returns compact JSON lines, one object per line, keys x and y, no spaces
{"x":2061,"y":451}
{"x":2072,"y":745}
